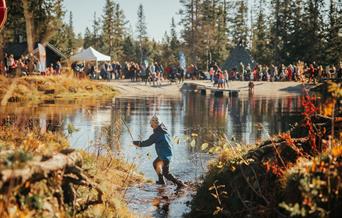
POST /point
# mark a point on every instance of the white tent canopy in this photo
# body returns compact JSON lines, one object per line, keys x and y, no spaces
{"x":90,"y":54}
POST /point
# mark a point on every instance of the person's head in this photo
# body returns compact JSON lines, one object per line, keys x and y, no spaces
{"x":154,"y":122}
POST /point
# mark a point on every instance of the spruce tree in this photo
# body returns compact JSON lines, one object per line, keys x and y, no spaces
{"x":296,"y":47}
{"x":280,"y":31}
{"x":88,"y":38}
{"x":70,"y":35}
{"x":313,"y":30}
{"x":129,"y":53}
{"x":108,"y":28}
{"x":239,"y":25}
{"x":191,"y":33}
{"x":219,"y":50}
{"x":208,"y":28}
{"x":142,"y":32}
{"x":118,"y":32}
{"x":172,"y":40}
{"x":168,"y":53}
{"x":334,"y":34}
{"x":96,"y":40}
{"x":260,"y":43}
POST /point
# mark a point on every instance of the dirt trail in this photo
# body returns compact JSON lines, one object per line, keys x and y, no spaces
{"x":139,"y":89}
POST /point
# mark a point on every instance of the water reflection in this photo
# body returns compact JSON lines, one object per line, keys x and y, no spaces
{"x":209,"y":117}
{"x":101,"y":122}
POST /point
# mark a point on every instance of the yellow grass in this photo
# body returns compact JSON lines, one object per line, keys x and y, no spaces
{"x":112,"y":174}
{"x":37,"y":88}
{"x":31,"y":141}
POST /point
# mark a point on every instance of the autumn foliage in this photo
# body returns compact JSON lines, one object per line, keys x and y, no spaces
{"x":283,"y":176}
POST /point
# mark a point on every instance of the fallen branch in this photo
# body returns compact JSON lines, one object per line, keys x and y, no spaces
{"x":37,"y":170}
{"x":67,"y":163}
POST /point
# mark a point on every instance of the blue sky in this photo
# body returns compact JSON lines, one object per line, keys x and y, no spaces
{"x":158,"y":13}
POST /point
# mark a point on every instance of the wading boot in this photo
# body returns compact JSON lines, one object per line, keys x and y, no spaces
{"x":177,"y":182}
{"x":160,"y":180}
{"x":180,"y":184}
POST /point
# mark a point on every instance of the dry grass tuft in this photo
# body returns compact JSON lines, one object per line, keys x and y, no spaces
{"x":37,"y":88}
{"x":18,"y":145}
{"x":111,"y":175}
{"x":31,"y":141}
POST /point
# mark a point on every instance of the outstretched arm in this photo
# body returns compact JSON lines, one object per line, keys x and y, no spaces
{"x":150,"y":141}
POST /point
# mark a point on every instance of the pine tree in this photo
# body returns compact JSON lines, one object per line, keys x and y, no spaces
{"x":118,"y":32}
{"x":296,"y":34}
{"x":141,"y":24}
{"x":108,"y":28}
{"x":96,"y":40}
{"x":285,"y":32}
{"x":168,"y":54}
{"x":173,"y":40}
{"x":208,"y":28}
{"x":313,"y":30}
{"x":129,"y":53}
{"x":79,"y":41}
{"x":70,"y":35}
{"x":219,"y":49}
{"x":88,"y":38}
{"x":239,"y":25}
{"x":280,"y":30}
{"x":190,"y":19}
{"x":142,"y":32}
{"x":260,"y":44}
{"x":334,"y":34}
{"x":153,"y":51}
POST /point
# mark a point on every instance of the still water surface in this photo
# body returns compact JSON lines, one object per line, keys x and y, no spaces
{"x":242,"y":119}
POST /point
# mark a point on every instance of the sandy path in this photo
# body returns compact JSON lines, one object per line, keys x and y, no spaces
{"x":135,"y":89}
{"x":132,"y":89}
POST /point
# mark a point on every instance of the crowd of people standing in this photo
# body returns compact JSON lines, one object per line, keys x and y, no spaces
{"x":155,"y":72}
{"x":300,"y":71}
{"x":26,"y":65}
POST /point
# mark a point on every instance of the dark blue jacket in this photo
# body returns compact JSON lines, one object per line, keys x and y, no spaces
{"x":162,"y":141}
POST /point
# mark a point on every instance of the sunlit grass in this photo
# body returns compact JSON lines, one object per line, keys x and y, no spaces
{"x":112,"y":174}
{"x":37,"y":88}
{"x":31,"y":141}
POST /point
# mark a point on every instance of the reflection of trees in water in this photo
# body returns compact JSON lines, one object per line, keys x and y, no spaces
{"x":45,"y":122}
{"x":212,"y":117}
{"x":274,"y":114}
{"x":137,"y":112}
{"x":47,"y":117}
{"x":209,"y":117}
{"x":204,"y":116}
{"x":109,"y":135}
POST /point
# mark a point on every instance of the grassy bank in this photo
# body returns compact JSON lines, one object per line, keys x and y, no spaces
{"x":294,"y":174}
{"x":273,"y":179}
{"x":20,"y":147}
{"x":39,"y":88}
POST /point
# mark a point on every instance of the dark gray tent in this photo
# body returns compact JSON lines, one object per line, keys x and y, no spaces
{"x":52,"y":53}
{"x":237,"y":55}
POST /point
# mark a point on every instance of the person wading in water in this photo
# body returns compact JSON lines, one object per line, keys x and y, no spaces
{"x":162,"y":141}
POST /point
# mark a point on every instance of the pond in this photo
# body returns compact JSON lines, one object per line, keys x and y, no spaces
{"x":244,"y":120}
